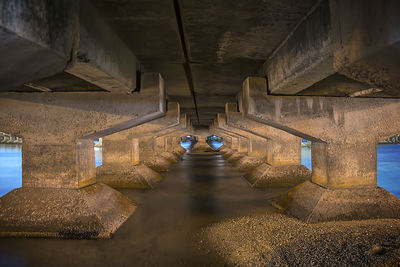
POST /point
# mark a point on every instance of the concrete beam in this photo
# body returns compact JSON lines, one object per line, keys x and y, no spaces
{"x":344,"y":132}
{"x":356,"y":39}
{"x":282,"y":164}
{"x":43,"y":39}
{"x":124,"y":153}
{"x":58,"y":160}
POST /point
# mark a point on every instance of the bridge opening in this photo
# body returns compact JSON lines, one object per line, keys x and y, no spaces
{"x":10,"y":163}
{"x":215,"y":141}
{"x":388,"y":164}
{"x":306,"y":153}
{"x":98,"y":151}
{"x":188,"y":142}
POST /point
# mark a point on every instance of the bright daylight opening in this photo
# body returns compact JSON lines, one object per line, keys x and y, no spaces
{"x":188,"y":142}
{"x":98,"y":151}
{"x":389,"y":164}
{"x":215,"y":141}
{"x":10,"y":163}
{"x":306,"y":153}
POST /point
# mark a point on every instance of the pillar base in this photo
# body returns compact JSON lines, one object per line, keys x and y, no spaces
{"x":247,"y":163}
{"x":311,"y":203}
{"x":158,"y":163}
{"x":228,"y":153}
{"x":235,"y":157}
{"x":95,"y":211}
{"x":171,"y":157}
{"x":139,"y":176}
{"x":267,"y":175}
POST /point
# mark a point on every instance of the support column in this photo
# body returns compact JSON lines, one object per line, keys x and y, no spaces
{"x":126,"y":153}
{"x":344,"y":133}
{"x":60,"y":196}
{"x":282,"y":164}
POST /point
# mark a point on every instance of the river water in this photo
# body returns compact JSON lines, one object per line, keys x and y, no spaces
{"x":388,"y":166}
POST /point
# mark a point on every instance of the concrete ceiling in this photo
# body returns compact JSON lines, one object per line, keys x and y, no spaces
{"x":203,"y":48}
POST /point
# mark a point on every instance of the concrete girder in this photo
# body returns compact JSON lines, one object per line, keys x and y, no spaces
{"x":283,"y":161}
{"x":242,"y":142}
{"x":64,"y":36}
{"x":344,"y":134}
{"x":354,"y":44}
{"x":124,"y":153}
{"x":58,"y":160}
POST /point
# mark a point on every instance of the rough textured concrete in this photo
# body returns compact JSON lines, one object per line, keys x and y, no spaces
{"x":96,"y":211}
{"x":282,"y":148}
{"x":354,"y":44}
{"x":344,"y":131}
{"x":128,"y":176}
{"x":247,"y":163}
{"x":266,"y":175}
{"x":101,"y":57}
{"x":124,"y":149}
{"x":225,"y":42}
{"x":235,"y":157}
{"x":27,"y":38}
{"x":344,"y":135}
{"x":73,"y":43}
{"x":59,"y":128}
{"x":312,"y":203}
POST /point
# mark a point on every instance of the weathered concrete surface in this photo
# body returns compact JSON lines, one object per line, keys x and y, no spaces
{"x":130,"y":176}
{"x":66,"y":37}
{"x":27,"y":38}
{"x":123,"y":150}
{"x":344,"y":131}
{"x":266,"y":175}
{"x":240,"y":143}
{"x":312,"y":203}
{"x":246,"y":163}
{"x":236,"y":157}
{"x":257,"y":145}
{"x":101,"y":57}
{"x":352,"y":46}
{"x":58,"y":131}
{"x":283,"y":150}
{"x":344,"y":135}
{"x":96,"y":211}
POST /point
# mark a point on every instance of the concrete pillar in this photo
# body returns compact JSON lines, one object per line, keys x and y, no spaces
{"x":126,"y":153}
{"x":344,"y":133}
{"x":282,"y":164}
{"x":59,"y":191}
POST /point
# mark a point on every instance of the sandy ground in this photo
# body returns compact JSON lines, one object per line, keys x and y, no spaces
{"x":273,"y":239}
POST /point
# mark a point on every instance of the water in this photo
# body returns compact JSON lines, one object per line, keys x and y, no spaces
{"x":10,"y":167}
{"x":98,"y":156}
{"x":388,"y":166}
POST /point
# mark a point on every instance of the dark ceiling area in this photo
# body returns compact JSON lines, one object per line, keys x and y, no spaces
{"x":204,"y":49}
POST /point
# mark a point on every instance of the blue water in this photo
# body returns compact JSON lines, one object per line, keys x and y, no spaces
{"x":10,"y":167}
{"x":215,"y":144}
{"x":388,"y":166}
{"x":98,"y":156}
{"x":186,"y":145}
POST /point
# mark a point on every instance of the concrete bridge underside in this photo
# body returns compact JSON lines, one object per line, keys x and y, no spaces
{"x":142,"y":74}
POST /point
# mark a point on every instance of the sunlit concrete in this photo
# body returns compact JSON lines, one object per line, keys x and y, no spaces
{"x":344,"y":134}
{"x":281,"y":165}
